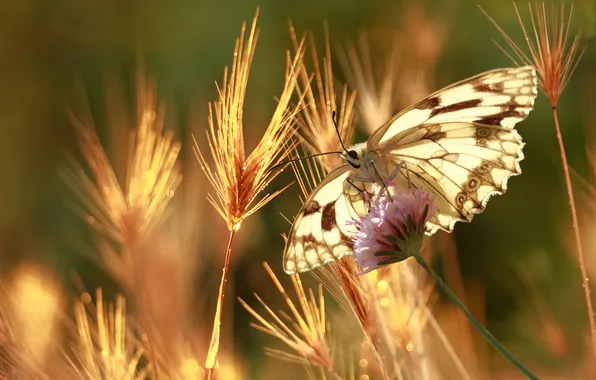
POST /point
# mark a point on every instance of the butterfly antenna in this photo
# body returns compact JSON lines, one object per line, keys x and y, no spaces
{"x":300,"y":158}
{"x":333,"y":115}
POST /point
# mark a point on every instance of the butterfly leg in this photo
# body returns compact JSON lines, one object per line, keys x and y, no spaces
{"x":351,"y":182}
{"x":361,"y":179}
{"x":398,"y":168}
{"x":364,"y":192}
{"x":391,"y":177}
{"x":388,"y":181}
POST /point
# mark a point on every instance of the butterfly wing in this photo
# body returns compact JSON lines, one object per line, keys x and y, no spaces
{"x":501,"y":97}
{"x":463,"y":168}
{"x":458,"y":144}
{"x":320,"y":233}
{"x":464,"y":148}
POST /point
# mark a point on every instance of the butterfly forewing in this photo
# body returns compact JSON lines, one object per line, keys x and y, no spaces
{"x":458,"y":144}
{"x":462,"y":169}
{"x":500,"y":97}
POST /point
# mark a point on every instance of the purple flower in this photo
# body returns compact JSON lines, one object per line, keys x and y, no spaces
{"x":393,"y":229}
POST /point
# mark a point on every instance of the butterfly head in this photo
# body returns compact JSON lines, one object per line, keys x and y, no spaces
{"x":353,"y":155}
{"x":353,"y":158}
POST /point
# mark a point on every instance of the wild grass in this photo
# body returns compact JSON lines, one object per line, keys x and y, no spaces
{"x":555,"y":52}
{"x":154,"y":199}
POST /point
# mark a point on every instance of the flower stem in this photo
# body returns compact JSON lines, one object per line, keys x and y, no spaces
{"x":211,"y":361}
{"x":574,"y":220}
{"x":485,"y":333}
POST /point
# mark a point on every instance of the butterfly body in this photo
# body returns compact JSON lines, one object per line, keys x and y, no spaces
{"x":458,"y":144}
{"x":365,"y":163}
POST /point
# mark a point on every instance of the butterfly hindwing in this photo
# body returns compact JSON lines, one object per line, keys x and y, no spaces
{"x":320,"y":233}
{"x":462,"y":169}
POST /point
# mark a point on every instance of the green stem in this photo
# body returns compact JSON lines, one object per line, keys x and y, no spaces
{"x":487,"y":335}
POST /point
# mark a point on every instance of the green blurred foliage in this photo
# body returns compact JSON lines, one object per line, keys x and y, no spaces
{"x":46,"y":45}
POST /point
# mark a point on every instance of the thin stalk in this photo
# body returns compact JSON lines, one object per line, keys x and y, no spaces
{"x":211,"y":361}
{"x":448,"y":347}
{"x":578,"y":242}
{"x":387,"y":338}
{"x":453,"y":278}
{"x":141,"y":294}
{"x":485,"y":333}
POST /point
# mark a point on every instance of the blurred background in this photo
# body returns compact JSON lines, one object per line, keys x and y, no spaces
{"x":516,"y":263}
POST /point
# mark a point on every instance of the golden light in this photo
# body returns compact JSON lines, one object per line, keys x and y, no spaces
{"x":382,"y":286}
{"x":191,"y":369}
{"x":230,"y":368}
{"x":35,"y":301}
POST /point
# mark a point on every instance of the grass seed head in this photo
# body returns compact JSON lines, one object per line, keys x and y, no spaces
{"x":238,"y":178}
{"x":553,"y":50}
{"x":129,"y":212}
{"x":304,"y":329}
{"x":317,"y":127}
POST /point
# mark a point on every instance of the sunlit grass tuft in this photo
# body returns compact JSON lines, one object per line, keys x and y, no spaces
{"x":107,"y":348}
{"x":129,"y":212}
{"x":320,"y":132}
{"x":304,"y":329}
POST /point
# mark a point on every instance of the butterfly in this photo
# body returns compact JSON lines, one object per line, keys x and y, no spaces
{"x":458,"y":144}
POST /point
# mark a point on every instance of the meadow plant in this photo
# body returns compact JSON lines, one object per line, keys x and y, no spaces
{"x":374,"y":314}
{"x":554,"y":51}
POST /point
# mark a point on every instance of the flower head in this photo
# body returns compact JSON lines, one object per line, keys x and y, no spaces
{"x":393,"y":229}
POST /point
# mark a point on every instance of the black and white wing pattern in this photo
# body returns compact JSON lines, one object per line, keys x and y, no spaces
{"x":462,"y":169}
{"x":463,"y":147}
{"x":457,"y":144}
{"x":500,"y":97}
{"x":320,"y":234}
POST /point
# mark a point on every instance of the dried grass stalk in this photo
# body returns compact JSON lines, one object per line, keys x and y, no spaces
{"x":555,"y":57}
{"x":238,"y":178}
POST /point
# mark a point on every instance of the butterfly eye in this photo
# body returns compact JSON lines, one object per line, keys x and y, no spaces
{"x":353,"y":154}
